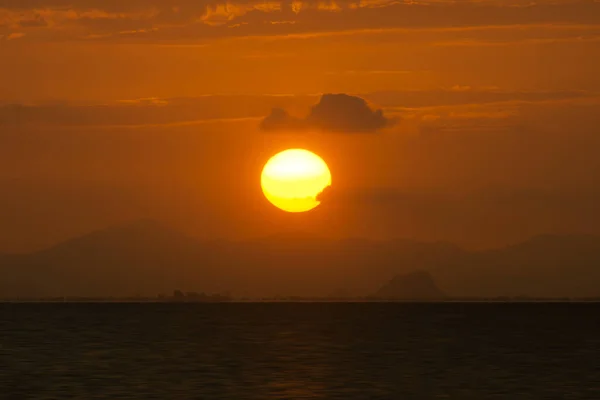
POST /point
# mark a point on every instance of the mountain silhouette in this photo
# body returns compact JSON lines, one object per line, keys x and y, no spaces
{"x":148,"y":258}
{"x":418,"y":285}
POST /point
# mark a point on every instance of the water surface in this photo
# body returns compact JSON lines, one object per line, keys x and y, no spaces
{"x":300,"y":351}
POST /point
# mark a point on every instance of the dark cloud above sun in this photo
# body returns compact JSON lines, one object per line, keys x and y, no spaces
{"x":333,"y":113}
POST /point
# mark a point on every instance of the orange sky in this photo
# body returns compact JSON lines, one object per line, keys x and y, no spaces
{"x":116,"y":110}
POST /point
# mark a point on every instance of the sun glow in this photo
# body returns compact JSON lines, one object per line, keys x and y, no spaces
{"x":292,"y":180}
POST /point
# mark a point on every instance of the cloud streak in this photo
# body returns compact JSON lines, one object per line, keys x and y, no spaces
{"x":159,"y":20}
{"x":433,"y":106}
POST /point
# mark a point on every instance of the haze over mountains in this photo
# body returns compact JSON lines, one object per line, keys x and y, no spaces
{"x":147,"y":258}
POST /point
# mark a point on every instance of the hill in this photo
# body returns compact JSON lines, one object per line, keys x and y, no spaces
{"x":418,"y":285}
{"x":544,"y":266}
{"x":148,"y":258}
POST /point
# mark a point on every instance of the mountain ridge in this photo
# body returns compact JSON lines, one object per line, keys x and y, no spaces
{"x":147,"y":257}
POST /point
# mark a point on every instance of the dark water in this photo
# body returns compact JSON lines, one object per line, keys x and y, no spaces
{"x":298,"y":351}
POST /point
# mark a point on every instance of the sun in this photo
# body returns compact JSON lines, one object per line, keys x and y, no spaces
{"x":292,"y":179}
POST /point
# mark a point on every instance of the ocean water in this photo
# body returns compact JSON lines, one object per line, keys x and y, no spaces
{"x":300,"y":351}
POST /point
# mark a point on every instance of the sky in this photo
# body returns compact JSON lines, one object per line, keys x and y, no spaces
{"x":479,"y":126}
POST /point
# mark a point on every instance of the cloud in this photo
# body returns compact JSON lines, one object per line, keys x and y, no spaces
{"x":279,"y":119}
{"x":14,"y":36}
{"x":430,"y":109}
{"x":344,"y":113}
{"x":464,"y":95}
{"x":193,"y":20}
{"x":333,"y":113}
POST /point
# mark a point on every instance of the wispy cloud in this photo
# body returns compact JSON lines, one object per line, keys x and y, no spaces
{"x":370,"y":72}
{"x":58,"y":19}
{"x":13,"y":36}
{"x":432,"y":108}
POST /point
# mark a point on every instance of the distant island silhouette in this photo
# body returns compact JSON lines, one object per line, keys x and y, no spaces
{"x":146,"y":259}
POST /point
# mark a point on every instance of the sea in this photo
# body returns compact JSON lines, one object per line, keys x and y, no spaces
{"x":300,"y":351}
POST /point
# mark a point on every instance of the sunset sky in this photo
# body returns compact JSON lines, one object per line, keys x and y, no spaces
{"x":114,"y":110}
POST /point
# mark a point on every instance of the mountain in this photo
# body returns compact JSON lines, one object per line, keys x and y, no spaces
{"x":123,"y":260}
{"x":148,"y":258}
{"x":418,"y":285}
{"x":544,"y":266}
